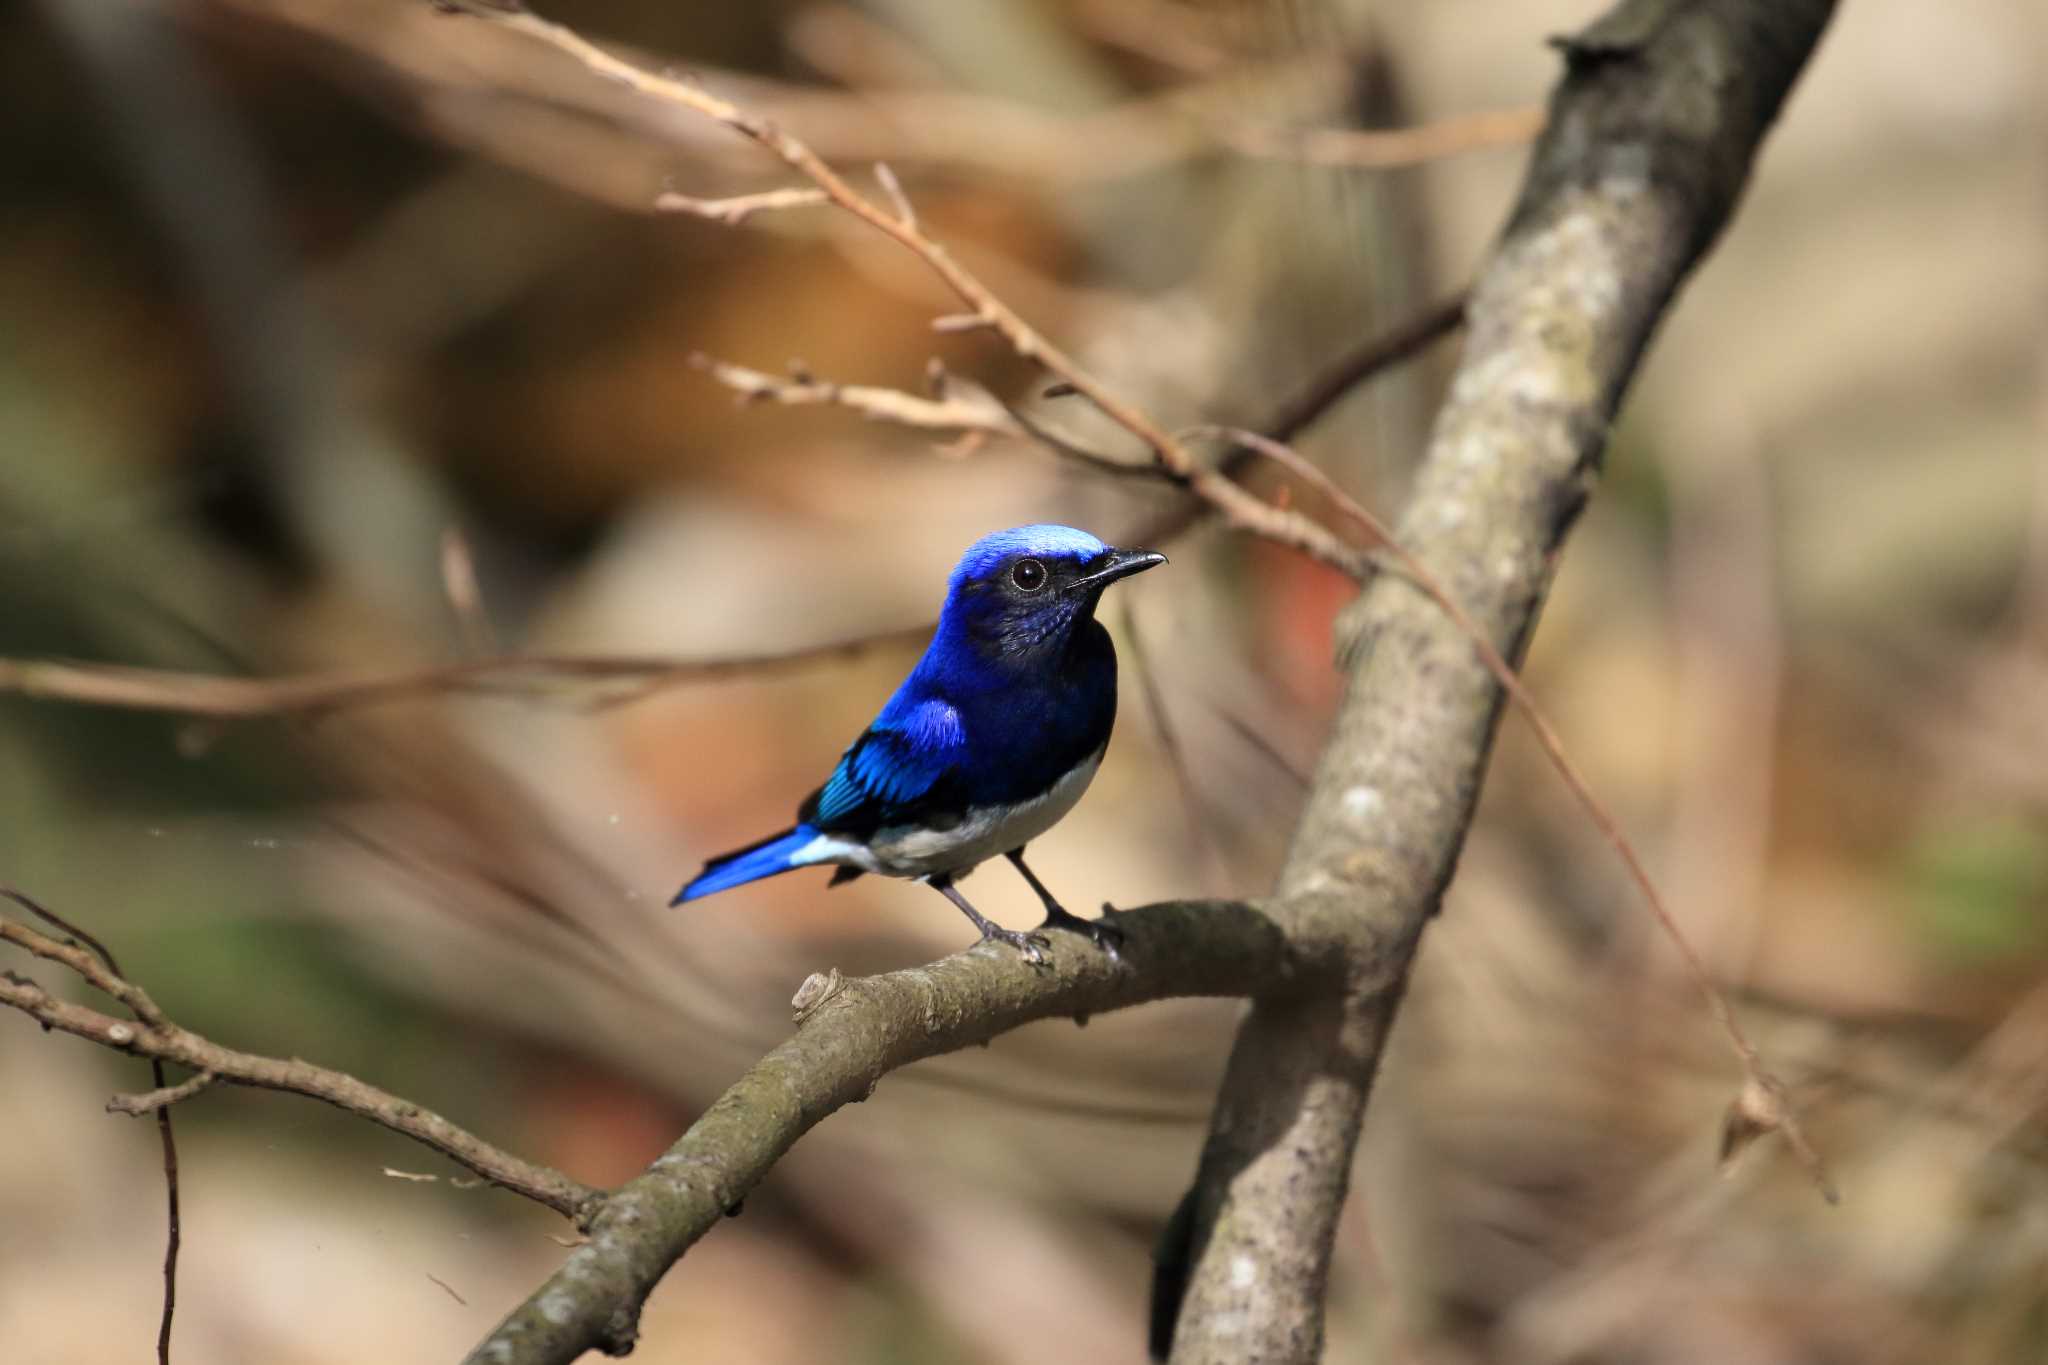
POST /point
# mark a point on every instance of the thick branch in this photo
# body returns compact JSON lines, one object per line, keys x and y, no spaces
{"x":152,"y":1035}
{"x":1649,"y":140}
{"x":850,"y":1037}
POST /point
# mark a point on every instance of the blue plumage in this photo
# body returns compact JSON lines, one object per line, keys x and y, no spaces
{"x":988,"y":742}
{"x":750,"y":864}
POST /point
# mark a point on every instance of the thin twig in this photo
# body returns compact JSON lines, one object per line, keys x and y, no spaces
{"x":94,"y":963}
{"x":1240,"y":507}
{"x":531,"y":675}
{"x":1764,"y":1102}
{"x":542,"y":675}
{"x":154,"y":1036}
{"x":1374,"y":355}
{"x":956,"y":405}
{"x":167,"y":1140}
{"x":738,"y":208}
{"x":465,"y":594}
{"x":446,"y":1287}
{"x":163,"y":1097}
{"x":906,"y":214}
{"x":1023,"y":338}
{"x":1390,"y":148}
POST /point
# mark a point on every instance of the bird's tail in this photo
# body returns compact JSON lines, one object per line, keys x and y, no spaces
{"x":776,"y":853}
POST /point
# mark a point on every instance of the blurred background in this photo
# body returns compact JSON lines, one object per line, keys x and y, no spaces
{"x":303,"y":301}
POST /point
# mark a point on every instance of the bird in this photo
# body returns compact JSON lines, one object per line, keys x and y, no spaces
{"x":987,"y":744}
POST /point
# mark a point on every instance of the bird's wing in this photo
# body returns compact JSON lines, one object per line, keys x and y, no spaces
{"x":898,"y":772}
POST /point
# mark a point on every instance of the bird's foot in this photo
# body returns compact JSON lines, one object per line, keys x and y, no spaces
{"x":1107,"y":937}
{"x":1031,"y":946}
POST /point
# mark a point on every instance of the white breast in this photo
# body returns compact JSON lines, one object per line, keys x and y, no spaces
{"x":985,"y":832}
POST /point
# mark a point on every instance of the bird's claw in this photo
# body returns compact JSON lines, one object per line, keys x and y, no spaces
{"x":1030,"y":946}
{"x":1106,"y":937}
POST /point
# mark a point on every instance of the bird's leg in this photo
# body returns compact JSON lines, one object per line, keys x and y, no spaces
{"x":1030,"y":945}
{"x":1107,"y":937}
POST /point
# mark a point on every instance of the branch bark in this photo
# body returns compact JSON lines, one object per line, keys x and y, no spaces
{"x":851,"y":1034}
{"x":1649,"y":141}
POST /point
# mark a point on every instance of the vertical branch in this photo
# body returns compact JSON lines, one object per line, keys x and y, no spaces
{"x":1650,"y":139}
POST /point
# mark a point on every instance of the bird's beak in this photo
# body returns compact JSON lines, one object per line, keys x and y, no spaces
{"x":1120,"y":564}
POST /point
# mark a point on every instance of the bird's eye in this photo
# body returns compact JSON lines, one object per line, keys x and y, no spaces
{"x":1028,"y":575}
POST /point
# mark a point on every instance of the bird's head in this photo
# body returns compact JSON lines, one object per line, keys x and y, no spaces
{"x":1019,"y":594}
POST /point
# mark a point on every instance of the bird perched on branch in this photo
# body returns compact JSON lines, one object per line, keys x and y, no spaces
{"x":990,"y":740}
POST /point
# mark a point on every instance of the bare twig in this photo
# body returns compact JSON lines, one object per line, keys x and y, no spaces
{"x":167,"y":1140}
{"x":738,"y":208}
{"x":957,"y":405}
{"x":93,"y":962}
{"x":1376,"y":355}
{"x":163,"y":1097}
{"x":1763,"y":1102}
{"x":446,"y":1288}
{"x":414,"y":1177}
{"x":1389,"y":148}
{"x":531,"y":675}
{"x":465,"y":594}
{"x":906,"y":214}
{"x":225,"y":697}
{"x":1239,"y":507}
{"x":154,"y":1036}
{"x":1022,"y":337}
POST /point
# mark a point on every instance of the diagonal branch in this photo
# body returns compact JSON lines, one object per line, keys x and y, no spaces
{"x":852,"y":1033}
{"x":985,"y":309}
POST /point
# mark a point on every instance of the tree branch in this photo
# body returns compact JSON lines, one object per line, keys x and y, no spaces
{"x":227,"y":698}
{"x":954,"y":405}
{"x":1388,"y":148}
{"x":851,"y":1034}
{"x":1239,"y":506}
{"x":1649,"y":140}
{"x":231,"y":698}
{"x":95,"y":955}
{"x":153,"y":1035}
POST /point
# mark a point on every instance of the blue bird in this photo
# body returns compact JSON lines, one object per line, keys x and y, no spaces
{"x":990,"y":740}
